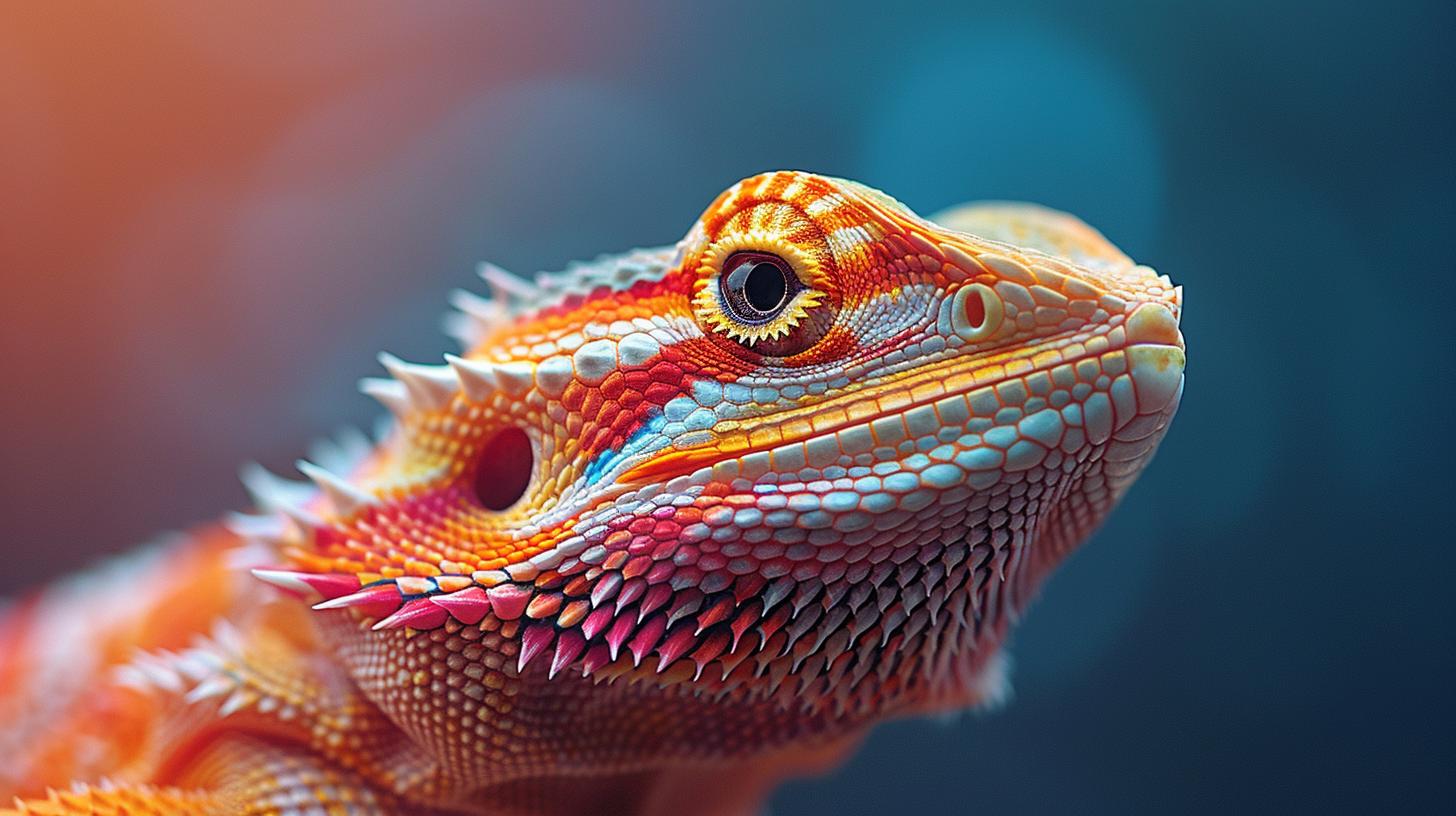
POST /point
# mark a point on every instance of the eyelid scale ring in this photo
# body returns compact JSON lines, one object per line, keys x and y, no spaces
{"x":707,"y":300}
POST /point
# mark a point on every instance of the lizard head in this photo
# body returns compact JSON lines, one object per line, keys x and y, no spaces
{"x":799,"y":471}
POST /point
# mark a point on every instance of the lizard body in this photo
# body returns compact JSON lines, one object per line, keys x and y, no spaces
{"x":678,"y":524}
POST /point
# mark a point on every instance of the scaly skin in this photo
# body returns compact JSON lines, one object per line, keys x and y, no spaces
{"x":746,"y":534}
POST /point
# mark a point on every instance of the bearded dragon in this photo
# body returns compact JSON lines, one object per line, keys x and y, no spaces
{"x":676,"y":525}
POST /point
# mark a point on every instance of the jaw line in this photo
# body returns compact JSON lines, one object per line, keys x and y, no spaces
{"x":685,"y":461}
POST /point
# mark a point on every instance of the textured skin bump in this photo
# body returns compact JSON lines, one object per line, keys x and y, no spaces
{"x":741,"y":542}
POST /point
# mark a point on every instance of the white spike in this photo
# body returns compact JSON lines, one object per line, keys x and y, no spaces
{"x":341,"y":452}
{"x":155,"y":668}
{"x":239,"y":700}
{"x":345,"y":497}
{"x":211,"y":687}
{"x":474,"y":317}
{"x":516,"y":377}
{"x":199,"y":662}
{"x":483,"y":310}
{"x":254,"y":552}
{"x":390,"y":393}
{"x":477,"y":378}
{"x":284,"y":579}
{"x":131,"y":677}
{"x":429,"y":387}
{"x":277,"y":494}
{"x":461,"y":329}
{"x":384,"y":429}
{"x":306,"y":520}
{"x":227,"y":636}
{"x":503,"y":283}
{"x":272,"y":492}
{"x":250,"y":526}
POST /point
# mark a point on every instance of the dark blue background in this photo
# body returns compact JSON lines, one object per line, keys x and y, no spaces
{"x":1267,"y":622}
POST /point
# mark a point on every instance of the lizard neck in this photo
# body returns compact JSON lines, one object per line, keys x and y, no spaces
{"x":739,"y":788}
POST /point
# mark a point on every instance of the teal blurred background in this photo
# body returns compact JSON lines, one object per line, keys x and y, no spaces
{"x":212,"y":217}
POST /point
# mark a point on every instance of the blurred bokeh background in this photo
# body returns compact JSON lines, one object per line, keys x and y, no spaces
{"x":212,"y":216}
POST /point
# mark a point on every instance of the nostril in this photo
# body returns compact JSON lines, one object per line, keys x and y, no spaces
{"x":504,"y":469}
{"x":975,"y":312}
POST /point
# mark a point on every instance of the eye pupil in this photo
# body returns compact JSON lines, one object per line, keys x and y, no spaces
{"x":765,"y":287}
{"x":757,"y":286}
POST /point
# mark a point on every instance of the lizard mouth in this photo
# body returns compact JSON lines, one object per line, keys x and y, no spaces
{"x":1147,"y":345}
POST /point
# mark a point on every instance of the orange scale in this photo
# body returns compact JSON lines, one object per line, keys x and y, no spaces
{"x":591,"y":404}
{"x":714,"y":490}
{"x":421,"y":569}
{"x":614,"y":385}
{"x":637,"y":379}
{"x":666,"y":372}
{"x":624,"y":421}
{"x":659,"y":393}
{"x":615,"y":560}
{"x":636,"y":566}
{"x":574,"y":395}
{"x":660,"y":550}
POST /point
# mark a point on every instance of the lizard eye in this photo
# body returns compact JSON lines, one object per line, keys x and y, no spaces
{"x":756,"y":286}
{"x":767,"y":302}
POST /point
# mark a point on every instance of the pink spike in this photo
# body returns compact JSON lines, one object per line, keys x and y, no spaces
{"x":656,"y":597}
{"x":608,"y":584}
{"x":646,"y":638}
{"x":308,"y":584}
{"x":660,"y":572}
{"x":776,"y":592}
{"x":745,"y":619}
{"x":773,"y":623}
{"x":714,"y":645}
{"x":596,"y":657}
{"x":686,"y":603}
{"x":618,"y":634}
{"x":569,"y":647}
{"x":286,"y":580}
{"x":717,"y":612}
{"x":331,"y":585}
{"x":374,"y":602}
{"x":508,"y":601}
{"x":747,"y":586}
{"x":631,"y":591}
{"x":533,"y":642}
{"x":674,"y":646}
{"x":596,"y":621}
{"x":468,"y":605}
{"x":417,"y":614}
